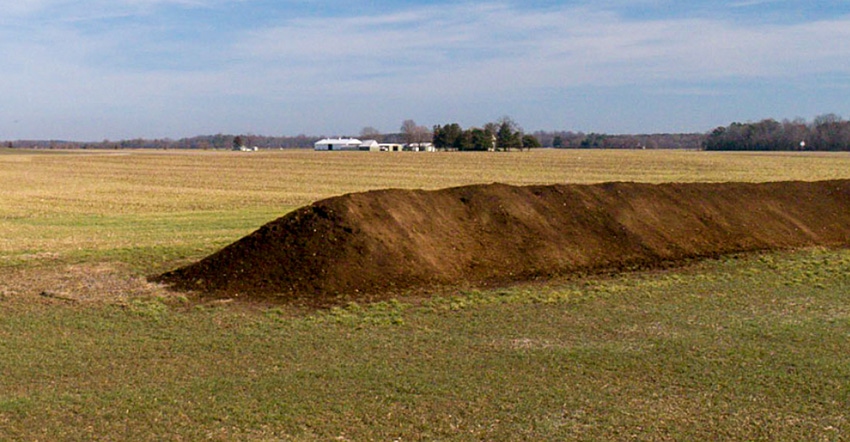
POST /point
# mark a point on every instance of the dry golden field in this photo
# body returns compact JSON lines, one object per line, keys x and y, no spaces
{"x":60,"y":203}
{"x":92,"y":224}
{"x":38,"y":184}
{"x":47,"y":184}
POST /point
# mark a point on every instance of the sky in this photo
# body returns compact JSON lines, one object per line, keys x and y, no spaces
{"x":121,"y":69}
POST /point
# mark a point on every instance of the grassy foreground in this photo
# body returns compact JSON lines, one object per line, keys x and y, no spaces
{"x":743,"y":348}
{"x":754,"y":348}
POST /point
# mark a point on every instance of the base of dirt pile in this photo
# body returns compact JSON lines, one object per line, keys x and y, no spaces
{"x":384,"y":241}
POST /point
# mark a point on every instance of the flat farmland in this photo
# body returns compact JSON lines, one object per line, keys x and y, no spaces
{"x":740,"y":348}
{"x":87,"y":204}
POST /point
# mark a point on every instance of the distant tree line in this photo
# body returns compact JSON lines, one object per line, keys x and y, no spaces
{"x":827,"y":132}
{"x":452,"y":136}
{"x":581,"y":140}
{"x":204,"y":142}
{"x":449,"y":137}
{"x":503,"y":135}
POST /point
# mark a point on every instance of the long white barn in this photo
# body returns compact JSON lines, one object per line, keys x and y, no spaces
{"x":369,"y":145}
{"x":338,"y":144}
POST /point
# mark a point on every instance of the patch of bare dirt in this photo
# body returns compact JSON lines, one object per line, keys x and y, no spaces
{"x":366,"y":244}
{"x":76,"y":284}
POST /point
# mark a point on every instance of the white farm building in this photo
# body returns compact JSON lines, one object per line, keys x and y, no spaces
{"x":369,"y":145}
{"x":338,"y":144}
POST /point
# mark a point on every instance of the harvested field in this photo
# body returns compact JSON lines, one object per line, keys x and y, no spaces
{"x":380,"y":242}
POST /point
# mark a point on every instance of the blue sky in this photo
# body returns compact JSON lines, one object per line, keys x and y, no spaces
{"x":117,"y":69}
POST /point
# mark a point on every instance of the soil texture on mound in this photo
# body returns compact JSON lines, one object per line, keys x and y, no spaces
{"x":389,"y":240}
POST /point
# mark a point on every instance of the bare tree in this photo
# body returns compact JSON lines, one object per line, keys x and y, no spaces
{"x":509,"y":122}
{"x":370,"y":133}
{"x":408,"y":131}
{"x":415,"y":134}
{"x":422,"y":135}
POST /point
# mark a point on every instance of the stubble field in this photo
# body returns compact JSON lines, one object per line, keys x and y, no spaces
{"x":748,"y":347}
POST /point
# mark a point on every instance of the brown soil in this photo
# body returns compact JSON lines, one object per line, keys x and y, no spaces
{"x":383,"y":241}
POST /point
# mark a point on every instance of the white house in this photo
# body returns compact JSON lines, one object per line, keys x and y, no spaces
{"x":338,"y":144}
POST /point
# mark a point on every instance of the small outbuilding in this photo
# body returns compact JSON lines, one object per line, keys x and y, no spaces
{"x":370,"y":145}
{"x":421,"y":147}
{"x":390,"y":147}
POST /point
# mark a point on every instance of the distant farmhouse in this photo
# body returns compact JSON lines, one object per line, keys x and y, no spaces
{"x":369,"y":145}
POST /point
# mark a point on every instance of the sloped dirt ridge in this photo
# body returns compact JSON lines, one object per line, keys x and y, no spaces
{"x":387,"y":240}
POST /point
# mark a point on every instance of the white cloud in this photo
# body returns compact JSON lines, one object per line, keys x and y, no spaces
{"x":751,"y":3}
{"x":441,"y":57}
{"x":495,"y":47}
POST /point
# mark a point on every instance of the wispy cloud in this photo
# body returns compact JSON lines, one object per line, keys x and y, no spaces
{"x":751,"y":3}
{"x":129,"y":57}
{"x":498,"y":47}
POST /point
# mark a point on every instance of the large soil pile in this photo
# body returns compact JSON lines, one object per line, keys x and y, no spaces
{"x":380,"y":241}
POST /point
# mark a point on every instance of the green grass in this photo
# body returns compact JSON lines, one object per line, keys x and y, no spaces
{"x":147,"y":242}
{"x":747,"y":348}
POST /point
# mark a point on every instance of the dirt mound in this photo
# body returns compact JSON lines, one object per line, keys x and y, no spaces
{"x":379,"y":241}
